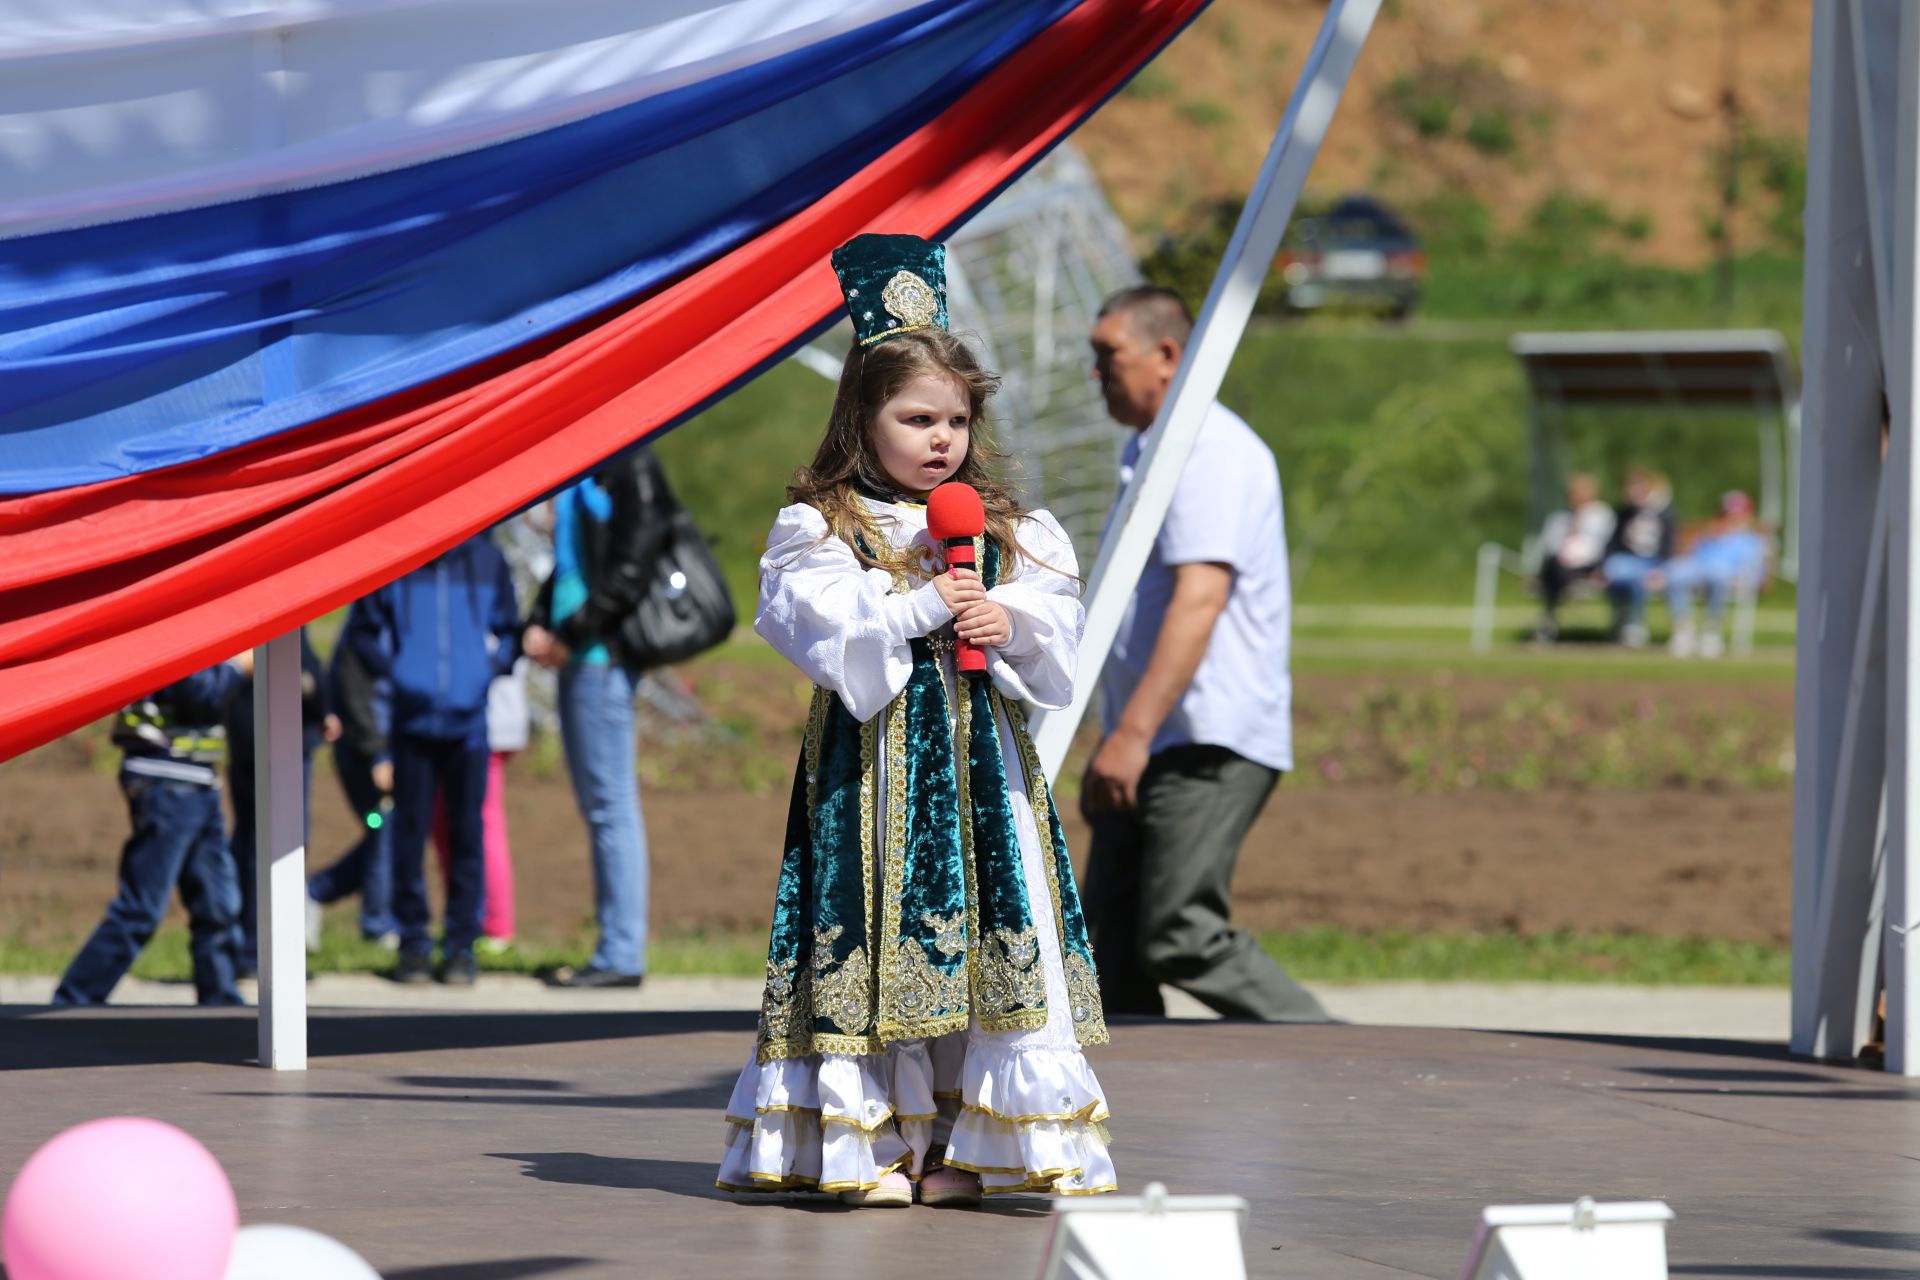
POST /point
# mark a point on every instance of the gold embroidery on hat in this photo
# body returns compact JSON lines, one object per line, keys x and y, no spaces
{"x":910,"y":300}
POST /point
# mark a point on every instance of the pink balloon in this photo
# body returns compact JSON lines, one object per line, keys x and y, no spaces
{"x":118,"y":1199}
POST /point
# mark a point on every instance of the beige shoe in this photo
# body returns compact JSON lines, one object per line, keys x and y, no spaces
{"x":949,"y":1188}
{"x":892,"y":1192}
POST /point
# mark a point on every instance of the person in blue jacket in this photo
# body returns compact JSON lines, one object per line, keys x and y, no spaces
{"x":172,"y":742}
{"x":439,"y":636}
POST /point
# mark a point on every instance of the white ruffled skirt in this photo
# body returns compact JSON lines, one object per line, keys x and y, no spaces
{"x":1023,"y":1116}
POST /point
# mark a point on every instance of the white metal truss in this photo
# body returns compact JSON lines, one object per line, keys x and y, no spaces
{"x":1854,"y":714}
{"x":1216,"y":336}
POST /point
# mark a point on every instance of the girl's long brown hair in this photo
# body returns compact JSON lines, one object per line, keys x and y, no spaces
{"x":846,"y":463}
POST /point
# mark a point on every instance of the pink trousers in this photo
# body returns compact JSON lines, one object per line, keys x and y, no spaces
{"x":496,"y":919}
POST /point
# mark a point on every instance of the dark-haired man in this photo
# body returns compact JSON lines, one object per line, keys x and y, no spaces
{"x":1196,"y":701}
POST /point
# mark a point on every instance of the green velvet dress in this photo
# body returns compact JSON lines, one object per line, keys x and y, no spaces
{"x":929,"y":983}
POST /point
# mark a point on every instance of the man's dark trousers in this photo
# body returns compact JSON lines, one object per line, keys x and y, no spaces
{"x":1158,"y":892}
{"x":179,"y":837}
{"x":457,"y":768}
{"x":367,"y":868}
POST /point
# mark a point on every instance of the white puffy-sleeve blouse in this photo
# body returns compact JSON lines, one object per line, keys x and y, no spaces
{"x":849,"y":629}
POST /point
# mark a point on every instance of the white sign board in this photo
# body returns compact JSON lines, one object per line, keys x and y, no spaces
{"x":1147,"y":1237}
{"x":1579,"y":1241}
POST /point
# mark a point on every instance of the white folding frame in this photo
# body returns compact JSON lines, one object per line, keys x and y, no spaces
{"x":1854,"y":821}
{"x":1216,"y":335}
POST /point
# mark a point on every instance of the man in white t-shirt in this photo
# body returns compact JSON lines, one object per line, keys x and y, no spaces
{"x":1196,"y":702}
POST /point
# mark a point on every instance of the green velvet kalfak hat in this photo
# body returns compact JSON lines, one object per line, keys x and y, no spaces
{"x":893,"y":284}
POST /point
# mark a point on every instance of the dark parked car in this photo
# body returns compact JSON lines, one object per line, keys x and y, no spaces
{"x":1355,"y":253}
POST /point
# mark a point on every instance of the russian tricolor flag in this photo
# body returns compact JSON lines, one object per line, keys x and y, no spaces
{"x":294,"y":294}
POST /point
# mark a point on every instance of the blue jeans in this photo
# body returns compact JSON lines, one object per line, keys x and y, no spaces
{"x":596,"y":728}
{"x":1627,"y":586}
{"x":1684,"y":577}
{"x":457,"y":769}
{"x":367,"y":868}
{"x":242,"y":844}
{"x":179,"y":837}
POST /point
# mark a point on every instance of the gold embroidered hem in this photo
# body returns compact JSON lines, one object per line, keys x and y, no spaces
{"x":1019,"y":1020}
{"x":767,"y":1184}
{"x":1093,"y":1113}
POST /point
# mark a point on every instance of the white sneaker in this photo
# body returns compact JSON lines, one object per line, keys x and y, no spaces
{"x":316,"y":917}
{"x":1711,"y":645}
{"x":1634,"y":636}
{"x":1685,"y":642}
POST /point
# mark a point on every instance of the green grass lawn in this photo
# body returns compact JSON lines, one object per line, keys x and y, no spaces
{"x":1323,"y":955}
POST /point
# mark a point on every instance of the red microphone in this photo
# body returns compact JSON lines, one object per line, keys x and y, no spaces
{"x":956,"y":517}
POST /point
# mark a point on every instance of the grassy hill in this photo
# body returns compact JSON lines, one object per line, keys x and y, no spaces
{"x":1502,"y":106}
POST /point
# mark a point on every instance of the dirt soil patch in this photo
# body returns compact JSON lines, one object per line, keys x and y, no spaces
{"x":1366,"y":852}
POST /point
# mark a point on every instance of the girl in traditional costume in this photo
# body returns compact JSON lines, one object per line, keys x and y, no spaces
{"x":929,"y":985}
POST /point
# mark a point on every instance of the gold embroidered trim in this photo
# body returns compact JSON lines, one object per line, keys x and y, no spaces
{"x":980,"y":1168}
{"x":963,"y":779}
{"x":771,"y":1182}
{"x":1083,"y":986}
{"x":1040,"y":1180}
{"x":767,"y":1186}
{"x":924,"y":995}
{"x":888,"y":946}
{"x":786,"y":1003}
{"x":843,"y":993}
{"x":891,"y":333}
{"x":744,"y":1123}
{"x":849,"y":1121}
{"x":1044,"y":1182}
{"x":869,"y":753}
{"x":1083,"y":993}
{"x":909,"y":299}
{"x":1011,"y":978}
{"x":848,"y":1046}
{"x":1093,"y":1113}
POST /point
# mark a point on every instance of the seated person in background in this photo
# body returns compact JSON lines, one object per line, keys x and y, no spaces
{"x":1730,"y":553}
{"x":1573,"y":542}
{"x":1642,"y":544}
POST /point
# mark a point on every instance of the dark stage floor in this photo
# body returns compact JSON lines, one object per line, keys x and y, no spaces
{"x":502,"y":1147}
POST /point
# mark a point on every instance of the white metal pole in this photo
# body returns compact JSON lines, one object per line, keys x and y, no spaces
{"x":1840,"y":469}
{"x":1216,"y":335}
{"x":280,"y":853}
{"x":1903,"y":584}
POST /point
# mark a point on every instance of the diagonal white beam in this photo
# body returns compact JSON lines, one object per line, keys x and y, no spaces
{"x":1847,"y":937}
{"x":1216,"y":335}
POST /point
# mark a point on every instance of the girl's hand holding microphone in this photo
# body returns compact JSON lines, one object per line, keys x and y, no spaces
{"x":976,"y":619}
